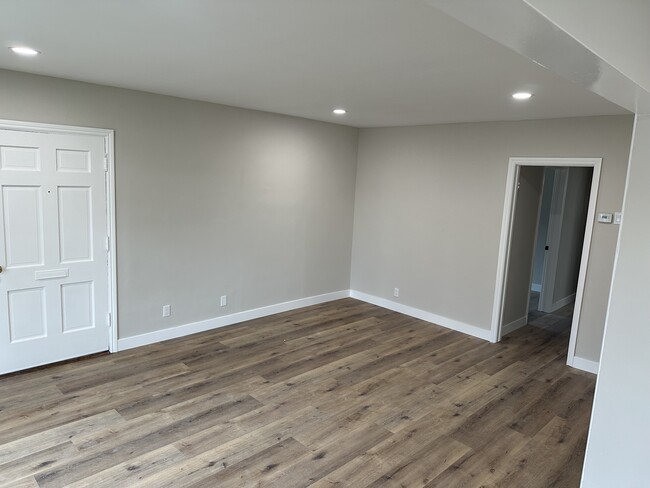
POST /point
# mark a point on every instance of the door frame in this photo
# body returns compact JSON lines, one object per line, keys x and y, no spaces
{"x":109,"y":161}
{"x":506,"y":233}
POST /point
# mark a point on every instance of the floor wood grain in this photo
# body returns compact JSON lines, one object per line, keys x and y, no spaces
{"x":338,"y":394}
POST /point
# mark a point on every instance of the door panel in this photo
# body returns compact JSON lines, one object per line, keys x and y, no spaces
{"x":77,"y":306}
{"x":19,"y":158}
{"x":75,"y":227}
{"x":26,"y":314}
{"x":23,"y":217}
{"x":53,"y":224}
{"x":68,"y":161}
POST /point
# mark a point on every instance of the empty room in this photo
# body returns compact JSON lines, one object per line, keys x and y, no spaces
{"x":316,"y":243}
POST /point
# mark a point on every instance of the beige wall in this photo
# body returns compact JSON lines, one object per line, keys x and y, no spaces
{"x":211,"y":200}
{"x":522,"y":244}
{"x":544,"y":218}
{"x":617,"y":448}
{"x":215,"y":200}
{"x":429,"y":204}
{"x":572,"y":233}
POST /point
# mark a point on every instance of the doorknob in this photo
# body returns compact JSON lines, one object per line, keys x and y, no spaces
{"x":0,"y":269}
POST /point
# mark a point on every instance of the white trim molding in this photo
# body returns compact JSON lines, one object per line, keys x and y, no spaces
{"x":225,"y":320}
{"x":506,"y":229}
{"x":217,"y":322}
{"x":423,"y":315}
{"x":52,"y":128}
{"x":514,"y":325}
{"x":585,"y":364}
{"x":562,"y":302}
{"x":109,"y":144}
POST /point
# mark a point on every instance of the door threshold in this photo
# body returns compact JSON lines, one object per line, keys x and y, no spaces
{"x":53,"y":365}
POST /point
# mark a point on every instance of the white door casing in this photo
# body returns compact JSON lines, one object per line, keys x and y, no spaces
{"x":54,"y":287}
{"x":506,"y":235}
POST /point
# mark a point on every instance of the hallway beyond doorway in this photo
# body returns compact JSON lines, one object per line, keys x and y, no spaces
{"x":558,"y":321}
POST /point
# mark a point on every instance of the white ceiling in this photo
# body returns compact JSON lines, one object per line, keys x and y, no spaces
{"x":389,"y":62}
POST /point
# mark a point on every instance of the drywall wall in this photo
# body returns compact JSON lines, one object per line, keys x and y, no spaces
{"x":542,"y":231}
{"x":522,"y":244}
{"x":572,"y":233}
{"x":617,"y":447}
{"x":429,"y":205}
{"x":211,"y":200}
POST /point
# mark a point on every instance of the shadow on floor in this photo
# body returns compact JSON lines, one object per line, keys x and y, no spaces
{"x":558,"y":322}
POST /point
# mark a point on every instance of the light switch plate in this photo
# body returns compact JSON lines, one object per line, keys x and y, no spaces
{"x":618,"y":218}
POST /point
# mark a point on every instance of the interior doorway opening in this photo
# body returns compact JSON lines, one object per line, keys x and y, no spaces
{"x":560,"y":233}
{"x":546,"y":237}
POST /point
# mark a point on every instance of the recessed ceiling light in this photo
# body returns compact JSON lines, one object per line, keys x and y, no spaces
{"x":24,"y":51}
{"x":522,"y":95}
{"x":339,"y":111}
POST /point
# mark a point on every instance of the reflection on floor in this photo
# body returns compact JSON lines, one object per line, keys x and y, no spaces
{"x":558,"y":321}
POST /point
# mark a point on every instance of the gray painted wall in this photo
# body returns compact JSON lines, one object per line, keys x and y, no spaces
{"x":617,"y":448}
{"x":429,"y":205}
{"x":211,"y":200}
{"x":215,"y":200}
{"x":572,"y":233}
{"x":542,"y":231}
{"x":522,"y":244}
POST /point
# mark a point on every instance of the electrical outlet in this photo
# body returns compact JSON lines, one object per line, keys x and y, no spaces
{"x":395,"y":292}
{"x":167,"y":310}
{"x":224,"y":300}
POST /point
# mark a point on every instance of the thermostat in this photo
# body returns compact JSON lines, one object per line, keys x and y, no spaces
{"x":605,"y":218}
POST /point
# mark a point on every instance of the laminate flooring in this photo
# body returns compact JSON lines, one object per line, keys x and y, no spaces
{"x":338,"y":394}
{"x":558,"y":322}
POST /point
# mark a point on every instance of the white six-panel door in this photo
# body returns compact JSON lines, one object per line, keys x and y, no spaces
{"x":53,"y":251}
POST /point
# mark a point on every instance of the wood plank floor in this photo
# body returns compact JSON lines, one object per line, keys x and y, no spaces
{"x":339,"y":394}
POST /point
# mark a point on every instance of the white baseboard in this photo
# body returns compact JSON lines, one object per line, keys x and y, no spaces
{"x":215,"y":323}
{"x":585,"y":365}
{"x":562,"y":302}
{"x":514,"y":325}
{"x":536,"y":287}
{"x":423,"y":315}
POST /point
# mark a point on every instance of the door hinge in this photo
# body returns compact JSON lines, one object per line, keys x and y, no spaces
{"x":105,"y":162}
{"x":109,"y":322}
{"x":108,"y":243}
